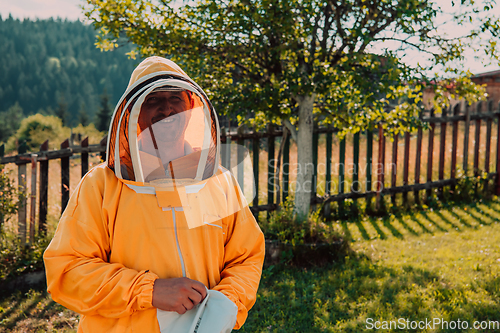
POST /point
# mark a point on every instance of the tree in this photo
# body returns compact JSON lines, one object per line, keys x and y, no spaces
{"x":10,"y":121}
{"x":62,"y":110}
{"x":104,"y":114}
{"x":298,"y":63}
{"x":83,"y":117}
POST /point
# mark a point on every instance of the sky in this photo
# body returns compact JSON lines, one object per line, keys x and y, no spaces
{"x":42,"y":9}
{"x":69,"y":9}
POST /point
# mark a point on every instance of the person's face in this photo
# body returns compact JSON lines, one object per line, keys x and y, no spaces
{"x":167,"y":110}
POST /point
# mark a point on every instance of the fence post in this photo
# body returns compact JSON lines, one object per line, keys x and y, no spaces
{"x":341,"y":174}
{"x":355,"y":160}
{"x":43,"y":190}
{"x":416,"y":193}
{"x":64,"y":177}
{"x":430,"y":155}
{"x":466,"y":139}
{"x":314,"y":189}
{"x":394,"y":166}
{"x":442,"y":152}
{"x":406,"y":166}
{"x":380,"y":168}
{"x":33,"y":196}
{"x":477,"y":141}
{"x":328,"y":176}
{"x":104,"y":143}
{"x":85,"y":156}
{"x":271,"y":180}
{"x":497,"y":190}
{"x":256,"y":153}
{"x":369,"y":167}
{"x":286,"y":167}
{"x":240,"y":154}
{"x":454,"y":145}
{"x":488,"y":145}
{"x":21,"y":178}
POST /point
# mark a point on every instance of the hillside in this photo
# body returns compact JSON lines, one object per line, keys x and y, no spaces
{"x":48,"y":63}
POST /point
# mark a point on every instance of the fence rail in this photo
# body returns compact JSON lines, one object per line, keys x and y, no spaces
{"x":276,"y":177}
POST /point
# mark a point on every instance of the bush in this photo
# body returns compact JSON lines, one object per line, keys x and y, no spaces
{"x":282,"y":226}
{"x":9,"y":196}
{"x":37,"y":128}
{"x":17,"y":259}
{"x":94,"y":135}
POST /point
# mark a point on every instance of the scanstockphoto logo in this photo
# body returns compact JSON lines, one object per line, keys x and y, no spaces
{"x":238,"y":160}
{"x":335,"y":185}
{"x":431,"y":324}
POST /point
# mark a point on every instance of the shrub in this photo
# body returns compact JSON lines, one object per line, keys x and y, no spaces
{"x":282,"y":226}
{"x":9,"y":196}
{"x":37,"y":128}
{"x":94,"y":135}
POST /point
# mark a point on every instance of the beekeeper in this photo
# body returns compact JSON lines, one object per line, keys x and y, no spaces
{"x":158,"y":225}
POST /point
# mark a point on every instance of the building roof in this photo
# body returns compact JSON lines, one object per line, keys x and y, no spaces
{"x":491,"y":73}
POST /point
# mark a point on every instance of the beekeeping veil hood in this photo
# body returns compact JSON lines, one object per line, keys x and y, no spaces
{"x":164,"y":131}
{"x":164,"y":140}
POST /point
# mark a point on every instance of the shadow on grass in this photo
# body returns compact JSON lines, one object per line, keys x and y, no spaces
{"x":448,"y":221}
{"x":362,"y":230}
{"x":341,"y":297}
{"x":405,"y":225}
{"x":438,"y":226}
{"x":461,"y":220}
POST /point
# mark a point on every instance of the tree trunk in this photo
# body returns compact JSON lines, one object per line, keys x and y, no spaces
{"x":305,"y":165}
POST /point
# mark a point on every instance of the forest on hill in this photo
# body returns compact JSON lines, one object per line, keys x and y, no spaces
{"x":53,"y":67}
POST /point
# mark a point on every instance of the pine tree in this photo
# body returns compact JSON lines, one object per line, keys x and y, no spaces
{"x":62,"y":110}
{"x":104,"y":113}
{"x":83,"y":117}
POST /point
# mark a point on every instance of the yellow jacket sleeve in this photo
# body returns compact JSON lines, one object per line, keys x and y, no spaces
{"x":79,"y":275}
{"x":244,"y":256}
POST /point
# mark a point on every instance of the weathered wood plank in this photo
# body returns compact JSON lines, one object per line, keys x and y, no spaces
{"x":328,"y":176}
{"x":85,"y":156}
{"x":394,"y":167}
{"x":454,"y":147}
{"x":488,"y":145}
{"x":43,"y":191}
{"x":430,"y":155}
{"x":465,"y":165}
{"x":64,"y":178}
{"x":477,"y":140}
{"x":355,"y":160}
{"x":22,"y":211}
{"x":255,"y":153}
{"x":418,"y":162}
{"x":240,"y":156}
{"x":34,"y":171}
{"x":398,"y":189}
{"x":406,"y":165}
{"x":369,"y":167}
{"x":315,"y":142}
{"x":380,"y":167}
{"x":442,"y":153}
{"x":271,"y":186}
{"x":341,"y":173}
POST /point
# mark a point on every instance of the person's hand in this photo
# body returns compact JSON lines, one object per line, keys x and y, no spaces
{"x":178,"y":294}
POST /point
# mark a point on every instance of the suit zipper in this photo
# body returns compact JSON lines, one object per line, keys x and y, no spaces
{"x":178,"y":247}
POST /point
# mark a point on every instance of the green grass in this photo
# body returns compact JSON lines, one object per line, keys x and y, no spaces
{"x":434,"y":264}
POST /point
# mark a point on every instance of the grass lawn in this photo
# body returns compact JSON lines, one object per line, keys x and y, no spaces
{"x":426,"y":266}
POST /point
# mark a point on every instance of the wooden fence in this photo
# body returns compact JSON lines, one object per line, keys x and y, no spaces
{"x":378,"y":179}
